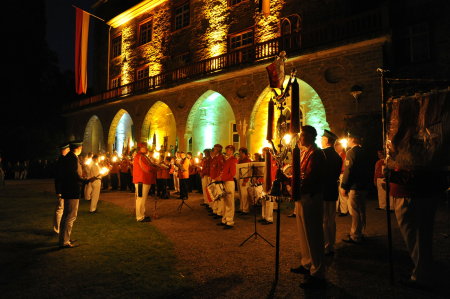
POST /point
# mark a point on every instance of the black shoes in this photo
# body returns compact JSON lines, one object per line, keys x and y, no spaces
{"x":265,"y":222}
{"x":69,"y":245}
{"x":220,"y":224}
{"x":312,"y":282}
{"x":300,"y":270}
{"x":349,"y":240}
{"x":227,"y":226}
{"x":291,"y":215}
{"x":146,"y":219}
{"x":342,"y":214}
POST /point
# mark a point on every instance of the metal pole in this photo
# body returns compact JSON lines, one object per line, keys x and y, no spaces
{"x":387,"y":178}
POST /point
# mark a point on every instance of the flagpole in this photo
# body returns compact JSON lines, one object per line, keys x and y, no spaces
{"x":89,"y":13}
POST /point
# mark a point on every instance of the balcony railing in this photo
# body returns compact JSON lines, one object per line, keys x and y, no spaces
{"x":360,"y":26}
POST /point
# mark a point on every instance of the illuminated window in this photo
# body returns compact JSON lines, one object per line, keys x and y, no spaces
{"x":235,"y":136}
{"x":242,"y":39}
{"x":116,"y":82}
{"x":141,"y":74}
{"x":145,"y":32}
{"x":116,"y":46}
{"x":182,"y":16}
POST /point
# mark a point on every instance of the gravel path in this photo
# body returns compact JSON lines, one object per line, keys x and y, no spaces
{"x":220,"y":268}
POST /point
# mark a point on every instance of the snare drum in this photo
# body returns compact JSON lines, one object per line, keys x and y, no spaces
{"x":216,"y":190}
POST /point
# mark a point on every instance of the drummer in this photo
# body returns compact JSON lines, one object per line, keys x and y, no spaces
{"x":243,"y":183}
{"x":227,"y":176}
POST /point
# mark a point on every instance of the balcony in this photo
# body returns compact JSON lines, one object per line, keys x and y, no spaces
{"x":341,"y":31}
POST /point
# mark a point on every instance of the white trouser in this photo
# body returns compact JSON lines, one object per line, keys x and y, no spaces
{"x":140,"y":201}
{"x":205,"y":182}
{"x":357,"y":208}
{"x":68,"y":218}
{"x":176,"y":182}
{"x":228,"y":203}
{"x":382,"y":195}
{"x":58,"y":214}
{"x":95,"y":194}
{"x":329,"y":225}
{"x":243,"y":198}
{"x":87,"y":191}
{"x":267,"y":210}
{"x":342,"y":203}
{"x":415,"y":219}
{"x":309,"y":215}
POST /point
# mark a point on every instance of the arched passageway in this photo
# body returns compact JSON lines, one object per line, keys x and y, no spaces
{"x":311,"y":105}
{"x":159,"y":123}
{"x":210,"y":121}
{"x":120,"y":134}
{"x":93,"y":136}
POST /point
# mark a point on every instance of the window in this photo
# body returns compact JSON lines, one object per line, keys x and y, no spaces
{"x":235,"y":136}
{"x":414,"y":44}
{"x":242,"y":39}
{"x":182,"y":16}
{"x":116,"y":46}
{"x":142,"y":73}
{"x":145,"y":32}
{"x":116,"y":82}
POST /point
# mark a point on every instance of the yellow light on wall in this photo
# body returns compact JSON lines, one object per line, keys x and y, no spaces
{"x":134,"y":12}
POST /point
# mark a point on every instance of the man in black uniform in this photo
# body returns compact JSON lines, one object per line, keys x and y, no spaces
{"x":64,"y":149}
{"x":71,"y":180}
{"x":354,"y":185}
{"x":333,"y":167}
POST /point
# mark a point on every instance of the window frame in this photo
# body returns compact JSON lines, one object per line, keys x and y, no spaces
{"x":148,"y":20}
{"x":117,"y":79}
{"x":230,"y":4}
{"x":116,"y":37}
{"x":174,"y":21}
{"x":241,"y":33}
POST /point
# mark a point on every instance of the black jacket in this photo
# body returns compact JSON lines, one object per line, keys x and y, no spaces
{"x":333,"y":165}
{"x":71,"y":176}
{"x":356,"y":172}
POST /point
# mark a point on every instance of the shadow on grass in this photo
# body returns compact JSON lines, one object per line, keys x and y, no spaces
{"x":222,"y":285}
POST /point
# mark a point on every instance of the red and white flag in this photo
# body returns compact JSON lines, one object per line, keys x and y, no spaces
{"x":276,"y":73}
{"x":81,"y":46}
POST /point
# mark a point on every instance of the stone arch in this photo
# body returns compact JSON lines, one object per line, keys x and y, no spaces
{"x":93,"y":136}
{"x":311,"y":107}
{"x":120,"y":131}
{"x":159,"y":120}
{"x":209,"y":122}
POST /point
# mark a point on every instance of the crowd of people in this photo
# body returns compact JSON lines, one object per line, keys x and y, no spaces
{"x":334,"y":182}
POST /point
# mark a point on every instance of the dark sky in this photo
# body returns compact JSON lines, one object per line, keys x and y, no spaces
{"x":61,"y":29}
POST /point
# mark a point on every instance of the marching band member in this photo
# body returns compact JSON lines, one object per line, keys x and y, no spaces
{"x":216,"y":167}
{"x":243,"y":184}
{"x":309,"y":211}
{"x":183,"y":175}
{"x":176,"y":180}
{"x":142,"y":178}
{"x":95,"y":185}
{"x":227,"y":176}
{"x":206,"y":179}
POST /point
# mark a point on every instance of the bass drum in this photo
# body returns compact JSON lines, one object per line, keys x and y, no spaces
{"x":216,"y":190}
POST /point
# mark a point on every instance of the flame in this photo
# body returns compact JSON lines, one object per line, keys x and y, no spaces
{"x":88,"y":161}
{"x":104,"y":170}
{"x":344,"y":142}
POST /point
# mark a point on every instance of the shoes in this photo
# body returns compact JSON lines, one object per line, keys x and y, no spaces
{"x":342,"y":214}
{"x":262,"y":220}
{"x":266,"y":222}
{"x":243,"y":213}
{"x":291,"y":215}
{"x":217,"y":217}
{"x":72,"y":241}
{"x":146,"y":219}
{"x":228,"y":226}
{"x":312,"y":282}
{"x":69,"y":245}
{"x":220,"y":224}
{"x":300,"y":270}
{"x":93,"y":212}
{"x":379,"y":209}
{"x":351,"y":241}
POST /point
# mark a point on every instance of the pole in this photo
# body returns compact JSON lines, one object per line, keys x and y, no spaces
{"x":387,"y":178}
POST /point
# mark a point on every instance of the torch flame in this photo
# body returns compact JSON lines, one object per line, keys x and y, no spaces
{"x":88,"y":161}
{"x":104,"y":170}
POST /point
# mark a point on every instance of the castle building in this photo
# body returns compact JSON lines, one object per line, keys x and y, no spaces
{"x":192,"y":73}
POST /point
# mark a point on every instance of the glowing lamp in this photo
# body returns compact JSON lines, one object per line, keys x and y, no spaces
{"x":114,"y":159}
{"x":287,"y":138}
{"x":344,"y":142}
{"x":104,"y":171}
{"x":196,"y":160}
{"x":102,"y":158}
{"x":88,"y":161}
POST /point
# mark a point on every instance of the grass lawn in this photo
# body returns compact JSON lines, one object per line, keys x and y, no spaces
{"x":117,"y":257}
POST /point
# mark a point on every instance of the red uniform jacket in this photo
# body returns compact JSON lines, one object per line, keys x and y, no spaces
{"x":206,"y":163}
{"x":216,"y":166}
{"x":229,"y":169}
{"x":143,"y":170}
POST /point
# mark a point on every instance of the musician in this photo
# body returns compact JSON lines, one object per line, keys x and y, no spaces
{"x":244,"y":183}
{"x":342,"y":203}
{"x":162,"y":175}
{"x":95,"y":185}
{"x":216,"y":168}
{"x":176,"y":180}
{"x":309,"y":211}
{"x":333,"y":167}
{"x":183,"y":175}
{"x":206,"y":179}
{"x":227,"y":176}
{"x":142,"y":178}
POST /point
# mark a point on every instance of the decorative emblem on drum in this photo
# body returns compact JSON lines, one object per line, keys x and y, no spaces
{"x":216,"y":190}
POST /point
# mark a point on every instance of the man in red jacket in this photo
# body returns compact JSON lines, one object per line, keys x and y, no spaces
{"x":227,"y":176}
{"x":216,"y":167}
{"x":143,"y":177}
{"x":243,"y":183}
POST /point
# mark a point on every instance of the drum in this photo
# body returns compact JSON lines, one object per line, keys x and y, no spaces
{"x":216,"y":190}
{"x":256,"y":193}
